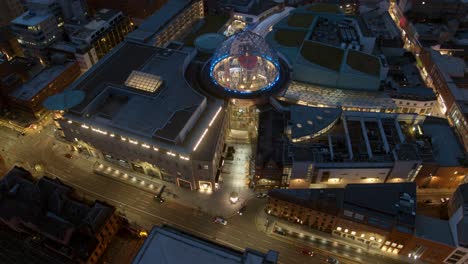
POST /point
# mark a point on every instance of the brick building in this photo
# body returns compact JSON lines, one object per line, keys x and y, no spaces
{"x":387,"y":222}
{"x":51,"y":80}
{"x":67,"y":228}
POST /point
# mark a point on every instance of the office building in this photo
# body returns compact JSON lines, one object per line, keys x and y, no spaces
{"x":51,"y":80}
{"x":172,"y":22}
{"x":447,"y":75}
{"x":388,"y":222}
{"x":434,"y":9}
{"x":300,"y":146}
{"x":70,"y":230}
{"x":135,"y":9}
{"x":165,"y":244}
{"x":180,"y":142}
{"x":36,"y":31}
{"x":95,"y":39}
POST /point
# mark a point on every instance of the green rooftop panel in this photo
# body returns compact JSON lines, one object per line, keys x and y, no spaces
{"x":363,"y":62}
{"x":300,"y":20}
{"x":289,"y":38}
{"x":323,"y":55}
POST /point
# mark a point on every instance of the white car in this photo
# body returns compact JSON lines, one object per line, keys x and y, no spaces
{"x":219,"y":220}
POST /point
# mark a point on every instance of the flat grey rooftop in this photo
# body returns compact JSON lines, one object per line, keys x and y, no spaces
{"x":166,"y":246}
{"x":32,"y":87}
{"x":31,"y":19}
{"x":162,"y":113}
{"x":157,"y":21}
{"x":434,"y":229}
{"x":384,"y":203}
{"x":446,"y":147}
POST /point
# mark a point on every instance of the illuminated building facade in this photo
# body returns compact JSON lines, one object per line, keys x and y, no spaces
{"x":245,"y":64}
{"x":52,"y":80}
{"x":247,"y":72}
{"x":134,"y":116}
{"x":172,"y":22}
{"x":36,"y":30}
{"x":95,"y":39}
{"x":388,"y":222}
{"x":309,"y":146}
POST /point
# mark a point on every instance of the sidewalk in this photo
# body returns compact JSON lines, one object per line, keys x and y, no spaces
{"x":215,"y":203}
{"x":268,"y":223}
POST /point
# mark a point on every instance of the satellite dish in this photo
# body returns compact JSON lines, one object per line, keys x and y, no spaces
{"x":64,"y":100}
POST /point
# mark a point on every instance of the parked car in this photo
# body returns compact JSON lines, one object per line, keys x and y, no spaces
{"x":306,"y":252}
{"x":219,"y":220}
{"x":262,"y":195}
{"x":280,"y":232}
{"x":332,"y":260}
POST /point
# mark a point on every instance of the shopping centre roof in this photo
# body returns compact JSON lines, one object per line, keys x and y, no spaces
{"x":136,"y":92}
{"x":315,"y":95}
{"x":308,"y":121}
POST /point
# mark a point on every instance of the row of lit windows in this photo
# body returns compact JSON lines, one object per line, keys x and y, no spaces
{"x":129,"y":140}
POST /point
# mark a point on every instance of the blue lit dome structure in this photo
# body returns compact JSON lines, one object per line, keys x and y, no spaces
{"x":245,"y":64}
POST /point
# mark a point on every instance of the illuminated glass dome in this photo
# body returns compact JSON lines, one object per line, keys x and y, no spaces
{"x":245,"y":64}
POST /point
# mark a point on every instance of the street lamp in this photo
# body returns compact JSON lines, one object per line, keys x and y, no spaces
{"x":234,"y":197}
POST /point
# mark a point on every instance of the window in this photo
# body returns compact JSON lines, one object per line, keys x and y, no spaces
{"x":359,"y":216}
{"x":348,"y":213}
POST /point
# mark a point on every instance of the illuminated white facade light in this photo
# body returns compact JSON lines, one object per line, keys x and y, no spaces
{"x":200,"y":139}
{"x":145,"y":145}
{"x":84,"y":126}
{"x":184,"y":157}
{"x":99,"y":131}
{"x":155,"y":149}
{"x":133,"y":141}
{"x":214,"y":117}
{"x":112,"y":135}
{"x":171,"y":153}
{"x":69,"y":121}
{"x":123,"y":139}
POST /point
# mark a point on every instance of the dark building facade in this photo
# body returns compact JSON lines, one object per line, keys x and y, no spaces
{"x":70,"y":230}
